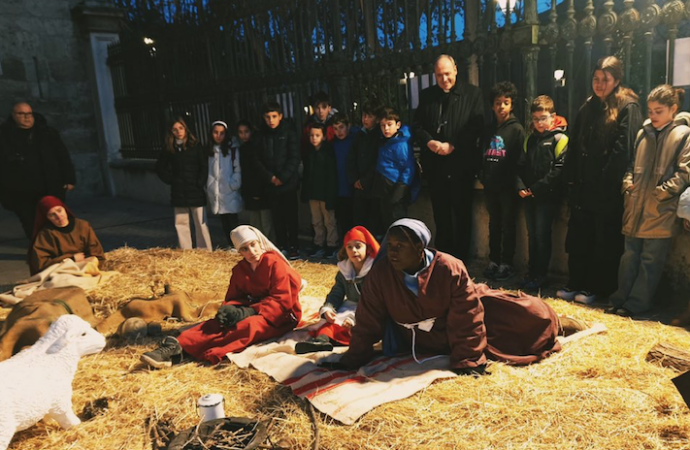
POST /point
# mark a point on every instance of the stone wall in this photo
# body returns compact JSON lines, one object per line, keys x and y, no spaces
{"x":43,"y":61}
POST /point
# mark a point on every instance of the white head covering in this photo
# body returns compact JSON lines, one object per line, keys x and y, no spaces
{"x":219,"y":122}
{"x":246,"y":233}
{"x":417,"y":227}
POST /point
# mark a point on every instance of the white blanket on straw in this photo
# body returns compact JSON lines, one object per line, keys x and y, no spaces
{"x":343,"y":395}
{"x":84,"y":274}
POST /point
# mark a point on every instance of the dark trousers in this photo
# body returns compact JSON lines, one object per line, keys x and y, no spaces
{"x":451,"y":200}
{"x":539,"y":217}
{"x":502,"y":207}
{"x":394,"y":200}
{"x":367,"y":213}
{"x":284,"y":212}
{"x":229,"y":223}
{"x":23,"y":205}
{"x":594,"y":244}
{"x":343,"y":215}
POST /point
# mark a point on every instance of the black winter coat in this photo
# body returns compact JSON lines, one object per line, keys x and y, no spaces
{"x":254,"y":190}
{"x":541,"y":164}
{"x":186,"y":171}
{"x":279,"y":156}
{"x":502,"y":148}
{"x":598,"y":156}
{"x":45,"y":171}
{"x":461,"y":123}
{"x":320,"y":180}
{"x":361,"y":161}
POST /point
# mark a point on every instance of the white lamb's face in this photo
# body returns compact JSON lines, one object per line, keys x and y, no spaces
{"x":90,"y":342}
{"x":79,"y":335}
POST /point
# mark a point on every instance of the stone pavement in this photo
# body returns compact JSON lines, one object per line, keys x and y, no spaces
{"x":117,"y":222}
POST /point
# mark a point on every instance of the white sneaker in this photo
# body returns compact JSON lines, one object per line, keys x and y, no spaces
{"x":585,"y":297}
{"x":566,"y":293}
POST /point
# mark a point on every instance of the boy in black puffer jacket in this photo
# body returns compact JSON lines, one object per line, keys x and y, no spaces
{"x":361,"y":169}
{"x":278,"y":165}
{"x":502,"y":145}
{"x":540,"y":185}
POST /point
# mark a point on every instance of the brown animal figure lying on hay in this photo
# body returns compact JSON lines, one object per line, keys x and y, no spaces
{"x":31,"y":318}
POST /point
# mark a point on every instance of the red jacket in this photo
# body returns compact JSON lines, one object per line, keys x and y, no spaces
{"x":272,"y":289}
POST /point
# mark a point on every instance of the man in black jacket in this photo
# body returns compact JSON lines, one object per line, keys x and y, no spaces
{"x":447,"y":126}
{"x":278,"y":165}
{"x":33,"y":163}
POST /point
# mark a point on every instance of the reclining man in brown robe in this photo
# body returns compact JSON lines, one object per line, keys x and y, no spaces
{"x":423,"y":301}
{"x":59,"y":235}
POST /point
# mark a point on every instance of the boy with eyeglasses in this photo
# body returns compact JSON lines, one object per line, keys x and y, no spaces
{"x":540,"y":184}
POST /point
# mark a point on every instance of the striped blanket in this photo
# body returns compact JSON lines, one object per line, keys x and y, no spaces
{"x":343,"y":395}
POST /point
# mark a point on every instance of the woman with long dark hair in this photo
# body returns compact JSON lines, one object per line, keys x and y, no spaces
{"x":184,"y":166}
{"x":601,"y":146}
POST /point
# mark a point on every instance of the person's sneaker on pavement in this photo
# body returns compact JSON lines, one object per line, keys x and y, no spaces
{"x":318,"y":253}
{"x":585,"y":297}
{"x":526,"y":280}
{"x":566,"y":293}
{"x":293,"y":254}
{"x":491,"y":270}
{"x":162,"y":356}
{"x":505,"y":272}
{"x":535,"y":283}
{"x":332,"y":252}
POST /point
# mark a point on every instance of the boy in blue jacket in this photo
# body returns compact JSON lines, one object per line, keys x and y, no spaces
{"x":396,"y":184}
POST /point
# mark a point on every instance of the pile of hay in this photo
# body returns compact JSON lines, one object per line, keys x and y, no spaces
{"x":598,"y":393}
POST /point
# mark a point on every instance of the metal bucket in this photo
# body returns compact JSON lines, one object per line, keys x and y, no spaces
{"x":211,"y":407}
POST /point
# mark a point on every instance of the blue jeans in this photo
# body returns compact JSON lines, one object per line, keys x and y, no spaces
{"x":639,"y":273}
{"x":539,"y":217}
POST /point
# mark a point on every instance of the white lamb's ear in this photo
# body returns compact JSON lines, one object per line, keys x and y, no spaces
{"x":61,"y":342}
{"x":70,"y":335}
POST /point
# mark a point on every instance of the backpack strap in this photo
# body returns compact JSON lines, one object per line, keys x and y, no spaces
{"x":561,"y":142}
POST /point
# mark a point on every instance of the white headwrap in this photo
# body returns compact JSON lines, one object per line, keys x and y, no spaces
{"x":246,"y":233}
{"x":221,"y":123}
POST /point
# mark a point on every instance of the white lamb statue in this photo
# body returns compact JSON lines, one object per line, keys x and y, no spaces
{"x":37,"y":382}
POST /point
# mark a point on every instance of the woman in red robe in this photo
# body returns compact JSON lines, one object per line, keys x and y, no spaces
{"x":423,"y":301}
{"x":262,"y":302}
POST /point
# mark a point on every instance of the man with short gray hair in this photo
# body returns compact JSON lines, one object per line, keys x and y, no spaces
{"x":33,"y":163}
{"x":447,"y":126}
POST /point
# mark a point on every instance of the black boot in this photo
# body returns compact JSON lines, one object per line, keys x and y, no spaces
{"x":320,"y":343}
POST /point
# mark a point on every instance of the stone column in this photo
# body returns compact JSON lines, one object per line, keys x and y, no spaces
{"x":99,"y":22}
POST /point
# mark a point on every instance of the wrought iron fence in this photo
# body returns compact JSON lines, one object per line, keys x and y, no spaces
{"x":218,"y":59}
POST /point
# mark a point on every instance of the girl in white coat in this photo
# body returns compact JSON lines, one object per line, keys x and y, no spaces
{"x":224,"y":178}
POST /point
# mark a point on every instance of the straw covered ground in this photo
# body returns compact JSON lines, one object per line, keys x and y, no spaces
{"x":599,"y":393}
